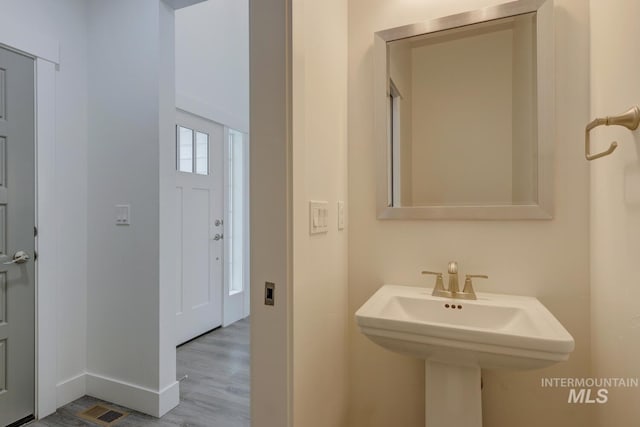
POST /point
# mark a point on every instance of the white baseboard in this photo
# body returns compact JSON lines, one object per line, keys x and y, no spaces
{"x":142,"y":399}
{"x":70,"y":389}
{"x":169,"y":398}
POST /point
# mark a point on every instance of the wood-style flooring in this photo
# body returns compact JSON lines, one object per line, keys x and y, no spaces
{"x":214,"y":394}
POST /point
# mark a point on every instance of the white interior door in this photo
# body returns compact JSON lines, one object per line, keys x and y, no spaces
{"x":199,"y":181}
{"x":17,"y":241}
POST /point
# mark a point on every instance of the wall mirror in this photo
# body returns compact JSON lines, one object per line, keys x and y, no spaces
{"x":464,"y":115}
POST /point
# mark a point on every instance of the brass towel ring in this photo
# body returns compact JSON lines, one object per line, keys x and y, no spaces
{"x":629,"y":119}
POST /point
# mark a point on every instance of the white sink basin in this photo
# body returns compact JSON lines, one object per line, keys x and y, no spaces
{"x":494,"y":331}
{"x":457,"y":338}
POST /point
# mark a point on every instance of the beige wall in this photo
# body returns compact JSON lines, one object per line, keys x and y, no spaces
{"x":525,"y":175}
{"x":462,"y":148}
{"x":319,"y":173}
{"x":546,"y":259}
{"x":615,"y":198}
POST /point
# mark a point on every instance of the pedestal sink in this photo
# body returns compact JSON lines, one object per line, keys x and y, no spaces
{"x":457,"y":338}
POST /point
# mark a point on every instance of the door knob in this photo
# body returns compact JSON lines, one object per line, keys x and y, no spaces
{"x":218,"y":222}
{"x":19,"y":257}
{"x":218,"y":236}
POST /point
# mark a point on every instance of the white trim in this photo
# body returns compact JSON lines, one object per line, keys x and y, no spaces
{"x":71,"y":389}
{"x":142,"y":399}
{"x":22,"y":37}
{"x":46,"y":220}
{"x":247,"y":226}
{"x":210,"y":112}
{"x":168,"y":398}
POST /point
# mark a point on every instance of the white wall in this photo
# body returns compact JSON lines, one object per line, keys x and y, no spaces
{"x":615,"y":198}
{"x":65,"y":21}
{"x":128,"y":108}
{"x":212,"y":61}
{"x":546,"y":259}
{"x":319,"y":173}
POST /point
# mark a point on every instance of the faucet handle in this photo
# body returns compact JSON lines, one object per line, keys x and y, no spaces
{"x":439,"y":282}
{"x":434,"y":273}
{"x":468,"y":286}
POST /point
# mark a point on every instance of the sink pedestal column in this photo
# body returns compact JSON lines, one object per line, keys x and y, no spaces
{"x":453,"y":396}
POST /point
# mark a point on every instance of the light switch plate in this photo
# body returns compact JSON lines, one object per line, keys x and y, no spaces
{"x":318,"y":217}
{"x":340,"y":215}
{"x":123,"y":214}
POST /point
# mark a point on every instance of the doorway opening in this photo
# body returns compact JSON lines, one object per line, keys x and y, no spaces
{"x":269,"y":26}
{"x":211,"y":187}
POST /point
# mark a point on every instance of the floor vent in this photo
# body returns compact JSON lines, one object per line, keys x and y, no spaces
{"x":23,"y":421}
{"x":102,"y":415}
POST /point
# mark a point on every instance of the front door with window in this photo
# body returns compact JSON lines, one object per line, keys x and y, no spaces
{"x":199,"y":180}
{"x":17,"y":242}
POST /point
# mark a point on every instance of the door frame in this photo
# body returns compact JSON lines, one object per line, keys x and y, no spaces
{"x":271,"y":257}
{"x":45,"y":52}
{"x":271,"y":211}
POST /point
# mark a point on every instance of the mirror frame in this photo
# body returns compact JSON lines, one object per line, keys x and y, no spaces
{"x":545,"y":109}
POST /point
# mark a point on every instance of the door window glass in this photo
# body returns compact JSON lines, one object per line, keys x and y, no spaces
{"x":185,"y":149}
{"x":202,"y":153}
{"x":193,"y":151}
{"x":236,"y":210}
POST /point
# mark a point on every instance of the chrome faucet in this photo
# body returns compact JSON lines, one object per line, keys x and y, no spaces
{"x":453,"y":290}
